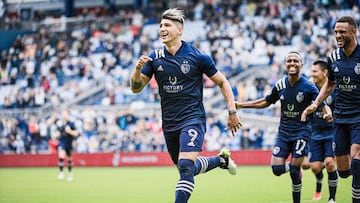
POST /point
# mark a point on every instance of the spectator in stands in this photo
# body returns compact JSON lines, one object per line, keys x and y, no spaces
{"x":53,"y":52}
{"x":178,"y":68}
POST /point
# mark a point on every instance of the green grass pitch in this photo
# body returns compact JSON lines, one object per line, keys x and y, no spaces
{"x":252,"y":184}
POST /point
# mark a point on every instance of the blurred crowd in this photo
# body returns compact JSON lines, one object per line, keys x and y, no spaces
{"x":123,"y":131}
{"x":53,"y":67}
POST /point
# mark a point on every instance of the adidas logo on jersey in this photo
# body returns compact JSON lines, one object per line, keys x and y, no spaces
{"x":160,"y":68}
{"x":336,"y":69}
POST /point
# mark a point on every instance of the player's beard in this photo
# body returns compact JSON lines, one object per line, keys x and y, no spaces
{"x":345,"y":43}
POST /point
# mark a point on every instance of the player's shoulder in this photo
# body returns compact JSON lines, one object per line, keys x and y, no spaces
{"x":335,"y":55}
{"x":157,"y":53}
{"x":306,"y":82}
{"x":280,"y":83}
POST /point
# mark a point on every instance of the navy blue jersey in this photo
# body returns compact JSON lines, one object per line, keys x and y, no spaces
{"x":321,"y":129}
{"x":65,"y":139}
{"x":180,"y":81}
{"x":345,"y":71}
{"x":294,"y":99}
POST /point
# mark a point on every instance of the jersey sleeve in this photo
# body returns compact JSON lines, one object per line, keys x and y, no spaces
{"x":148,"y":68}
{"x":330,"y":72}
{"x":207,"y":65}
{"x":273,"y":96}
{"x":72,"y":126}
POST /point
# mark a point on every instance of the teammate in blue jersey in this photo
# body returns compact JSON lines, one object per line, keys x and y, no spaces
{"x":321,"y":150}
{"x":66,"y":133}
{"x":344,"y":79}
{"x":178,"y":68}
{"x":295,"y":93}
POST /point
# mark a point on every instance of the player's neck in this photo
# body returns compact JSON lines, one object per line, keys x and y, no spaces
{"x":173,"y":46}
{"x":321,"y":83}
{"x":293,"y":79}
{"x":350,"y":49}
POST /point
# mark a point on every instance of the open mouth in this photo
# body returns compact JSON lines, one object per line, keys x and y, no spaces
{"x":163,"y":35}
{"x":292,"y":69}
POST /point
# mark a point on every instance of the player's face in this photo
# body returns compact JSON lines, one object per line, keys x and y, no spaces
{"x":170,"y":31}
{"x":317,"y":74}
{"x":293,"y":64}
{"x":344,"y":34}
{"x":65,"y":115}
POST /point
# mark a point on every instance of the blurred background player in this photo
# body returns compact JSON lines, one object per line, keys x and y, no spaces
{"x":344,"y":79}
{"x":66,"y":133}
{"x":178,"y":69}
{"x":295,"y":93}
{"x":322,"y":137}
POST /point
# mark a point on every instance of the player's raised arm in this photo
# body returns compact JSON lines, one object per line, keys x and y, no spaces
{"x":139,"y":80}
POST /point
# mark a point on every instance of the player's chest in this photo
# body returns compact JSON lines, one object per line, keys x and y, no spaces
{"x":175,"y":67}
{"x":347,"y":69}
{"x":294,"y":96}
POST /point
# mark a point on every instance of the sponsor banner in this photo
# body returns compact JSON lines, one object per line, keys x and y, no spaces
{"x":244,"y":157}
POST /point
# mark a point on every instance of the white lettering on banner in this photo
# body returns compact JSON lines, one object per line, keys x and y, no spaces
{"x":139,"y":159}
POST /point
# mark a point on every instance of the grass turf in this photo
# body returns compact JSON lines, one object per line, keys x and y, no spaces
{"x":252,"y":184}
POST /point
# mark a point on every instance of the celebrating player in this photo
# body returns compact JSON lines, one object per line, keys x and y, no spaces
{"x":295,"y":93}
{"x":344,"y":79}
{"x":178,"y":68}
{"x":321,"y":151}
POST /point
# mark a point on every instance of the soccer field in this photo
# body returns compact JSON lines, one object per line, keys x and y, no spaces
{"x":252,"y":184}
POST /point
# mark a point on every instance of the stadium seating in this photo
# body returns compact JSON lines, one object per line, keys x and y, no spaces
{"x":88,"y":67}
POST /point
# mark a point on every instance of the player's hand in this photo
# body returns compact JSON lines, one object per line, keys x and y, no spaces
{"x":308,"y":111}
{"x":234,"y":124}
{"x":142,"y":61}
{"x":238,"y":105}
{"x":328,"y":117}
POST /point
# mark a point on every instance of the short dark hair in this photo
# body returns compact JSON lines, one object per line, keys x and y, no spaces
{"x":323,"y":65}
{"x":297,"y":53}
{"x":348,"y":19}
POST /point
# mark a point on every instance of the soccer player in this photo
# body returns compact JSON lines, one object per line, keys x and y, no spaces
{"x":321,"y":151}
{"x":295,"y":93}
{"x":67,"y":133}
{"x":178,"y":68}
{"x":344,"y":79}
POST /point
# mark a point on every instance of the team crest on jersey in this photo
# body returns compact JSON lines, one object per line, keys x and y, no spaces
{"x":300,"y":97}
{"x":357,"y":69}
{"x":290,"y":107}
{"x":185,"y":67}
{"x":346,"y":79}
{"x":276,"y":150}
{"x":329,"y":100}
{"x":172,"y":80}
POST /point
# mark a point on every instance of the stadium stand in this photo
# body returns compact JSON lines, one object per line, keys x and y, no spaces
{"x":84,"y":62}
